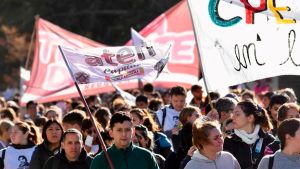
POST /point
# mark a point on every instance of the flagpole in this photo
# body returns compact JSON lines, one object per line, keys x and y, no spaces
{"x":31,"y":42}
{"x":199,"y":57}
{"x":89,"y":112}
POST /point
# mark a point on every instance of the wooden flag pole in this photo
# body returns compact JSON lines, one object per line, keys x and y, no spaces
{"x":89,"y":112}
{"x":199,"y":57}
{"x":31,"y":42}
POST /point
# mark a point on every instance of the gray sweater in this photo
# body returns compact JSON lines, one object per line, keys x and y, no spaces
{"x":281,"y":161}
{"x":225,"y":160}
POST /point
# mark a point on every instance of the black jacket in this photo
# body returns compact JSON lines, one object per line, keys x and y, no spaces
{"x":41,"y":155}
{"x":245,"y":153}
{"x":59,"y":161}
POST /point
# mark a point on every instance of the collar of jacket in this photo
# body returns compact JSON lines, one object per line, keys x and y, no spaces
{"x":128,"y":149}
{"x":28,"y":145}
{"x":261,"y":134}
{"x":82,"y":157}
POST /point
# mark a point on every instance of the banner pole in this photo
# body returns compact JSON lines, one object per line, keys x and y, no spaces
{"x":199,"y":57}
{"x":89,"y":113}
{"x":31,"y":42}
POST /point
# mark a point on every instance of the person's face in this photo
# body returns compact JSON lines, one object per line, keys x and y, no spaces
{"x":292,"y":113}
{"x":52,"y":115}
{"x":17,"y":136}
{"x":239,"y":119}
{"x":194,"y":117}
{"x":141,"y":105}
{"x":265,"y":101}
{"x":67,"y":126}
{"x":178,"y":102}
{"x":54,"y":133}
{"x":122,"y":134}
{"x":72,"y":146}
{"x":142,"y":140}
{"x":32,"y":109}
{"x":91,"y":132}
{"x":274,"y":111}
{"x":226,"y":114}
{"x":198,"y":93}
{"x":135,"y":119}
{"x":215,"y":141}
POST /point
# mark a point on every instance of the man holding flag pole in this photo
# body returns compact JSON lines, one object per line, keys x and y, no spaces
{"x":110,"y":65}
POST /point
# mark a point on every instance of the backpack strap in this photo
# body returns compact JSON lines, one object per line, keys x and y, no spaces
{"x":164,"y":110}
{"x":271,"y":162}
{"x":3,"y":153}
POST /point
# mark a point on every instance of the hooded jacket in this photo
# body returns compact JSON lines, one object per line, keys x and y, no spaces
{"x":224,"y":160}
{"x":60,"y":161}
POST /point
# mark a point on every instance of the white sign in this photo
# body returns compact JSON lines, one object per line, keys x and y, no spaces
{"x":112,"y":64}
{"x":241,"y":41}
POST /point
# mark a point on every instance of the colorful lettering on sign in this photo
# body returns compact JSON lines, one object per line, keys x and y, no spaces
{"x":250,"y":11}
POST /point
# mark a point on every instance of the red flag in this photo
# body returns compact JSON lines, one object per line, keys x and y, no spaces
{"x":175,"y":27}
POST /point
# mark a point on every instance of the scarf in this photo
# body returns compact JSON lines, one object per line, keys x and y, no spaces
{"x":248,"y":138}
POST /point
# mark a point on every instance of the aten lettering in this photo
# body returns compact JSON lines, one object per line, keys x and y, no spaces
{"x":249,"y":11}
{"x":123,"y":56}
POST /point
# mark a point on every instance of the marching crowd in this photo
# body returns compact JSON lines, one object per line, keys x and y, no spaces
{"x":241,"y":130}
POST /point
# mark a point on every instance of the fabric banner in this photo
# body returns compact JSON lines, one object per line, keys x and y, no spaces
{"x":114,"y":64}
{"x":175,"y":27}
{"x":241,"y":41}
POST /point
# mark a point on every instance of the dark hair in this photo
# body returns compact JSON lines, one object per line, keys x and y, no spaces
{"x":71,"y":131}
{"x":8,"y":113}
{"x":47,"y":125}
{"x":288,"y":126}
{"x":141,"y":98}
{"x":87,"y":124}
{"x":178,"y":90}
{"x":148,"y":88}
{"x":283,"y":109}
{"x":119,"y":117}
{"x":74,"y":117}
{"x":225,"y":104}
{"x":146,"y":134}
{"x":248,"y":93}
{"x":260,"y":115}
{"x":100,"y":116}
{"x":155,"y":104}
{"x":278,"y":99}
{"x":195,"y":88}
{"x":30,"y":103}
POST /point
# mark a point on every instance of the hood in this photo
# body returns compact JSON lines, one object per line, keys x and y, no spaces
{"x":199,"y":157}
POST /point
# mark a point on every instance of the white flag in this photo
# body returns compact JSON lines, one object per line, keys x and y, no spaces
{"x":239,"y":44}
{"x":111,"y":64}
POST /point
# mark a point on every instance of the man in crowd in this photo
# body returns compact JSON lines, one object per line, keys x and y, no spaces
{"x":123,"y":153}
{"x":73,"y":155}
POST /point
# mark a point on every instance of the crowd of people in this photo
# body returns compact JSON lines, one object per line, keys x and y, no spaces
{"x":240,"y":130}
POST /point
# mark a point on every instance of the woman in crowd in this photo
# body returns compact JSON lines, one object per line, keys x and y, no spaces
{"x":54,"y":112}
{"x":5,"y":126}
{"x":92,"y":143}
{"x":145,"y":140}
{"x":18,"y":154}
{"x":52,"y":134}
{"x":208,"y":139}
{"x":103,"y":116}
{"x":248,"y":141}
{"x":288,"y":157}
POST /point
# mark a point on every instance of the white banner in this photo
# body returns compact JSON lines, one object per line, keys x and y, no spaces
{"x":112,"y":64}
{"x":241,"y":41}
